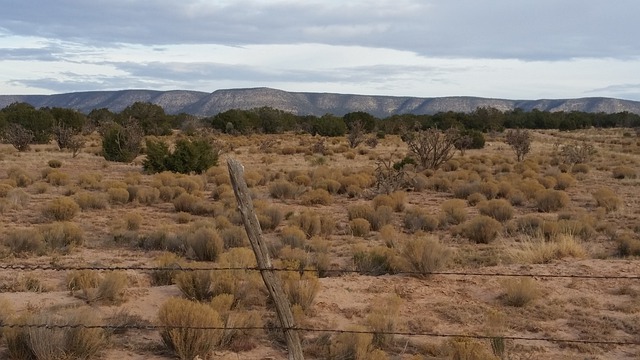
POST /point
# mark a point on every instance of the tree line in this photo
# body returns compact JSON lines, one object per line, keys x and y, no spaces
{"x":122,"y":133}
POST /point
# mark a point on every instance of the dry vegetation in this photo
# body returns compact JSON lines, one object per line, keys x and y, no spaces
{"x":567,"y":207}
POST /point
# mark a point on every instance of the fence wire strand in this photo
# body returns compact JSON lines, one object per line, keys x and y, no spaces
{"x":35,"y":267}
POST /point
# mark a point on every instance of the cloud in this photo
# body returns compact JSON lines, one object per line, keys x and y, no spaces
{"x":540,"y":30}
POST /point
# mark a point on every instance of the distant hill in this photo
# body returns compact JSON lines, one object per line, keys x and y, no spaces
{"x":208,"y":104}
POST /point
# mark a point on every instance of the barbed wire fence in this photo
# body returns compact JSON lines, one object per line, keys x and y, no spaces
{"x":332,"y":272}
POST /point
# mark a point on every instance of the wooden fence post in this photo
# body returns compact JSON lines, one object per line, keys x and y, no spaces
{"x":271,"y":279}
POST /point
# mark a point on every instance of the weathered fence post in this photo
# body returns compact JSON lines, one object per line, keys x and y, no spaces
{"x":271,"y":279}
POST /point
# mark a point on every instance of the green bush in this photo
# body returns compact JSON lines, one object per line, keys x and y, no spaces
{"x":190,"y":155}
{"x":121,"y":143}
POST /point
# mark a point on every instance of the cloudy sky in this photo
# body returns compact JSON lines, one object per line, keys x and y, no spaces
{"x":517,"y":49}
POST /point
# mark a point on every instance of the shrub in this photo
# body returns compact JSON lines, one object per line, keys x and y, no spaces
{"x":424,"y":255}
{"x":301,"y":288}
{"x":580,"y":169}
{"x":194,"y":205}
{"x":431,"y":147}
{"x":498,"y":209}
{"x":382,"y":319}
{"x":355,"y":345}
{"x":132,"y":220}
{"x":317,"y":197}
{"x":624,"y":172}
{"x":606,"y":198}
{"x":313,"y":223}
{"x":234,"y":236}
{"x":57,"y":178}
{"x":89,"y":181}
{"x":147,"y":195}
{"x":379,"y":217}
{"x":112,"y":287}
{"x":282,"y":189}
{"x":118,"y":195}
{"x":62,"y":235}
{"x":519,"y":292}
{"x":61,"y":209}
{"x":628,"y":245}
{"x":204,"y":243}
{"x":359,"y":227}
{"x":540,"y":251}
{"x":417,"y":219}
{"x":481,"y":229}
{"x":69,"y":335}
{"x":395,"y":200}
{"x":176,"y":314}
{"x":27,"y":240}
{"x":520,"y":142}
{"x":20,"y":176}
{"x":122,"y":143}
{"x":270,"y":217}
{"x":293,"y":236}
{"x":564,"y":181}
{"x":376,"y":261}
{"x":90,"y":200}
{"x":195,"y":285}
{"x":453,"y":211}
{"x":190,"y":155}
{"x":551,"y":200}
{"x":169,"y":261}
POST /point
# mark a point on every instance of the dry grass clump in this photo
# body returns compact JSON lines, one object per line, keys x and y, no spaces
{"x":376,"y":261}
{"x":424,"y":255}
{"x":197,"y":285}
{"x":54,"y":163}
{"x":168,"y":193}
{"x":202,"y":243}
{"x":57,"y":178}
{"x":56,"y":341}
{"x":301,"y":288}
{"x":19,"y":176}
{"x":607,"y":199}
{"x":234,"y":236}
{"x":418,"y":219}
{"x":282,"y":189}
{"x":481,"y":229}
{"x":379,"y":217}
{"x":195,"y":205}
{"x":453,"y":212}
{"x":359,"y":227}
{"x":169,"y":261}
{"x":162,"y":239}
{"x":498,"y":209}
{"x":62,"y":235}
{"x":89,"y":181}
{"x":624,"y":172}
{"x":537,"y":250}
{"x":529,"y":224}
{"x":628,"y":244}
{"x":29,"y":240}
{"x":146,"y":195}
{"x":177,"y":314}
{"x":270,"y":217}
{"x":314,"y":223}
{"x":564,"y":181}
{"x":382,"y":318}
{"x":293,"y":236}
{"x":519,"y":292}
{"x":530,"y":188}
{"x":357,"y":346}
{"x":90,"y":200}
{"x":396,"y":200}
{"x":316,"y":197}
{"x":580,"y":169}
{"x":118,"y":196}
{"x":61,"y":209}
{"x":551,"y":200}
{"x":4,"y":189}
{"x":108,"y":289}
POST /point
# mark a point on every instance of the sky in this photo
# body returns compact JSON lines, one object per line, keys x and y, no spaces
{"x":513,"y":49}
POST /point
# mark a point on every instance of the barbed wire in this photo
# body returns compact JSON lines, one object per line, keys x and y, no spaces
{"x":307,"y":329}
{"x":23,"y":267}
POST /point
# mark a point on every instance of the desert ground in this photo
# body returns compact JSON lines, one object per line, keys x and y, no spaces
{"x":410,"y":262}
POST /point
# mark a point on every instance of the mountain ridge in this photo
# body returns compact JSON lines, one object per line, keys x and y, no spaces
{"x":307,"y":103}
